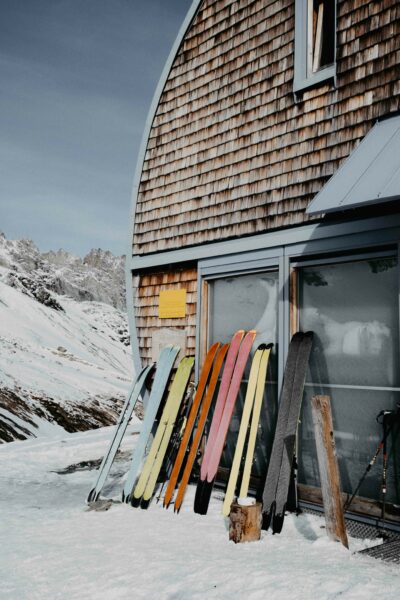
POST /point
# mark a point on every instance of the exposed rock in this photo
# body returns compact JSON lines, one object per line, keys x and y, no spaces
{"x":23,"y":407}
{"x":33,"y":288}
{"x":99,"y":276}
{"x":11,"y":429}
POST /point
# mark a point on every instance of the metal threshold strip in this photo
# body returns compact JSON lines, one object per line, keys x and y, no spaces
{"x":371,"y":388}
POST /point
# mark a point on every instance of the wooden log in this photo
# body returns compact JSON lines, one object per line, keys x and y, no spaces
{"x":328,"y":469}
{"x":245,"y":522}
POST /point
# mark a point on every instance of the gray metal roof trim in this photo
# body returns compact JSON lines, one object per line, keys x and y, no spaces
{"x":194,"y":7}
{"x":370,"y":174}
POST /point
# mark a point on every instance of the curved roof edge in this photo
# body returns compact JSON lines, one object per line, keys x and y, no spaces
{"x":138,"y":172}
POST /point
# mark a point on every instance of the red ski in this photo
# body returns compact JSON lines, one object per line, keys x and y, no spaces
{"x":205,"y":372}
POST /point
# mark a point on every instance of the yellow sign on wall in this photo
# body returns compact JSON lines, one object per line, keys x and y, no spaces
{"x":172,"y":304}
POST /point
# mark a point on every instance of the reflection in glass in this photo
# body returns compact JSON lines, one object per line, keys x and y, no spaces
{"x":248,"y":302}
{"x":353,"y":310}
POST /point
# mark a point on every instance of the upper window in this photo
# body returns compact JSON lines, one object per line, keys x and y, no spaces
{"x":315,"y":42}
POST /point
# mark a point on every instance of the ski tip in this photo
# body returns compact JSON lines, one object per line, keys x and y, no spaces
{"x":265,"y":346}
{"x":126,"y":498}
{"x":239,"y":334}
{"x":298,"y":335}
{"x":145,"y":504}
{"x":222,"y":352}
{"x":201,"y":505}
{"x":166,"y":350}
{"x":266,"y":521}
{"x":214,"y":347}
{"x":135,"y":502}
{"x":251,"y":335}
{"x":198,"y":495}
{"x":277,"y":523}
{"x":200,"y":510}
{"x":267,"y":517}
{"x":151,"y":370}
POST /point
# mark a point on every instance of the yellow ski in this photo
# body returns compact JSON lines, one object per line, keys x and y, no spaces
{"x":253,"y":400}
{"x":262,"y":375}
{"x":154,"y":460}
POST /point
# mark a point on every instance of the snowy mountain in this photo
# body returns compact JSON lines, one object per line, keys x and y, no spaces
{"x":65,"y":361}
{"x":99,"y":276}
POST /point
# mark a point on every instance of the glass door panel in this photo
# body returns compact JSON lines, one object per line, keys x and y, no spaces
{"x":353,"y":310}
{"x":248,"y":302}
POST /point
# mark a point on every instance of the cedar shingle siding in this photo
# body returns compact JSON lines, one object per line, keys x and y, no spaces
{"x":146,"y":308}
{"x":230,"y":152}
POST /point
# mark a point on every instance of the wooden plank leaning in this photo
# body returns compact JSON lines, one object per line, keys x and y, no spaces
{"x":328,"y":469}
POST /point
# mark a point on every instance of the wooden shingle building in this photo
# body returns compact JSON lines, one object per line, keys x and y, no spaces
{"x":267,"y":189}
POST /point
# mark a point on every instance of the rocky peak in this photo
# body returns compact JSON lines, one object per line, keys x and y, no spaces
{"x":99,"y":276}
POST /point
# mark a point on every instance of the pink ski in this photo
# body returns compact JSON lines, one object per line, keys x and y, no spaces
{"x":233,"y":392}
{"x":229,"y":390}
{"x":221,"y":399}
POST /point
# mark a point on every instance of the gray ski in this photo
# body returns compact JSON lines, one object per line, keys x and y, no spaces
{"x":291,"y":431}
{"x":275,"y":461}
{"x":119,"y":432}
{"x":165,"y":364}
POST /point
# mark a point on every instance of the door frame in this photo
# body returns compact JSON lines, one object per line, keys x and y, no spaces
{"x":287,"y":259}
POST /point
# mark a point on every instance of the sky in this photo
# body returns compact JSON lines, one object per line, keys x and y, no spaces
{"x":77,"y":79}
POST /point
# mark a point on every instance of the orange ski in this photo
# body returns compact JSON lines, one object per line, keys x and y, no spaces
{"x":200,"y":426}
{"x":190,"y":422}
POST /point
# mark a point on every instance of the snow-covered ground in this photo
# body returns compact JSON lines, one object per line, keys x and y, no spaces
{"x":53,"y":548}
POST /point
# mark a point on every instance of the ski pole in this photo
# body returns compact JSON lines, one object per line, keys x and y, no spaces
{"x":384,"y":415}
{"x":371,"y":463}
{"x":384,"y":468}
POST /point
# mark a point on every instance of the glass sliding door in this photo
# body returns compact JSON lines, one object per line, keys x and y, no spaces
{"x":353,"y":309}
{"x":247,"y":302}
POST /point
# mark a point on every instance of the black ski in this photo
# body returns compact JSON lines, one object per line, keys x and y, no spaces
{"x":275,"y":460}
{"x":281,"y":462}
{"x":291,"y":431}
